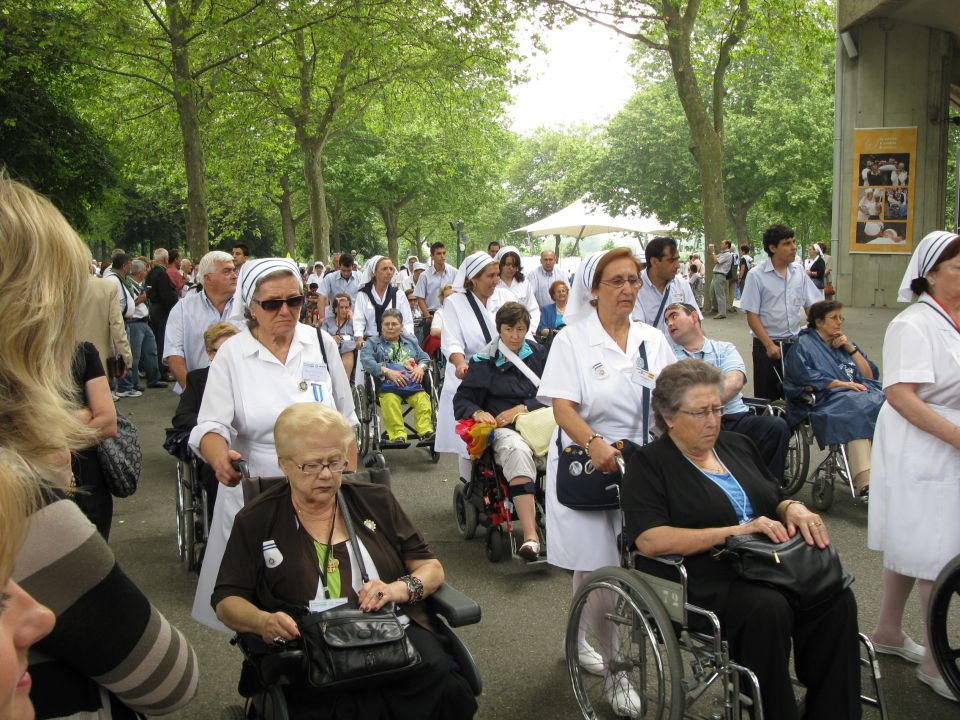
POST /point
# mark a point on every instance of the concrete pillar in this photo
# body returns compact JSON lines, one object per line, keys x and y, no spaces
{"x":901,"y":78}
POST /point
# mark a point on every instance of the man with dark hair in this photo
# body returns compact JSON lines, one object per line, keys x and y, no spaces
{"x":768,"y":432}
{"x":493,"y":248}
{"x":722,"y":264}
{"x":662,"y":285}
{"x":173,"y":271}
{"x":345,"y":281}
{"x":744,"y":263}
{"x":775,"y":295}
{"x":241,"y":253}
{"x":438,"y":274}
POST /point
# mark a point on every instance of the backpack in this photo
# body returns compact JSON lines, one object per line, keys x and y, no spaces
{"x":732,"y":272}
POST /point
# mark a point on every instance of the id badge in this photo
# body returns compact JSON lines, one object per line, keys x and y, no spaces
{"x":644,"y":378}
{"x":316,"y":372}
{"x":322,"y":605}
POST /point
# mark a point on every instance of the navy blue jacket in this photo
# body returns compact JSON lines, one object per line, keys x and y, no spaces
{"x":495,"y":389}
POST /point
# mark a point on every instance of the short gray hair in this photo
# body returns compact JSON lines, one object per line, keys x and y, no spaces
{"x":394,"y":313}
{"x":207,"y":262}
{"x":161,"y":254}
{"x":138,"y":267}
{"x":675,"y":380}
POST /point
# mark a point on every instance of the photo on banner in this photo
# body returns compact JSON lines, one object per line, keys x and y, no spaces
{"x":883,"y":200}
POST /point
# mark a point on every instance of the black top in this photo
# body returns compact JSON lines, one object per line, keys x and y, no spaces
{"x":662,"y":488}
{"x":190,"y":399}
{"x":495,"y":389}
{"x":379,"y":521}
{"x":819,"y":269}
{"x":162,"y":293}
{"x":86,"y":367}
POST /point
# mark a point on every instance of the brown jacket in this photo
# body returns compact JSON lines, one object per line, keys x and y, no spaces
{"x":101,"y":321}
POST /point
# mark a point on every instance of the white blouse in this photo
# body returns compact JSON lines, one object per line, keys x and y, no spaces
{"x":365,"y":318}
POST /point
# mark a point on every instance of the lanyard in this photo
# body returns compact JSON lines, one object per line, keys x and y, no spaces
{"x":324,"y":567}
{"x":945,"y":313}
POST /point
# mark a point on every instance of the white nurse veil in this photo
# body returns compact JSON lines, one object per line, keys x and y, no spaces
{"x":578,"y":305}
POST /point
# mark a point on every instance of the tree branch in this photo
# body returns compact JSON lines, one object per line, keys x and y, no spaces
{"x":121,"y":73}
{"x":157,"y":18}
{"x":741,"y":16}
{"x":638,"y":36}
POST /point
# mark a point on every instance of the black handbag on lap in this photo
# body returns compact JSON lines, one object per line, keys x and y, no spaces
{"x":805,"y":572}
{"x":346,"y":647}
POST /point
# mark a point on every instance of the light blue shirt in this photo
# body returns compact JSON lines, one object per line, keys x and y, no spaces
{"x":734,"y":492}
{"x":649,"y":300}
{"x":779,"y":301}
{"x":722,"y":355}
{"x":430,"y":282}
{"x":333,"y":284}
{"x":187,"y":322}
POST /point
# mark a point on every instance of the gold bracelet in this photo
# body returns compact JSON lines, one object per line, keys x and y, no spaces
{"x":788,"y":503}
{"x":586,"y":445}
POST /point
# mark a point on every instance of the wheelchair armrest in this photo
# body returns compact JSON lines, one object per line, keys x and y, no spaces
{"x":454,"y":607}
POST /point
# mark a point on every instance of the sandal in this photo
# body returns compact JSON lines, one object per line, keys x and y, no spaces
{"x":530,"y":550}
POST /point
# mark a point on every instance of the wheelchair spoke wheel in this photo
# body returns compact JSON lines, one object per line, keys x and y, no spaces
{"x":945,"y":624}
{"x":363,"y":418}
{"x":798,"y":462}
{"x":821,"y":495}
{"x":623,"y":656}
{"x":465,"y":512}
{"x":184,"y":543}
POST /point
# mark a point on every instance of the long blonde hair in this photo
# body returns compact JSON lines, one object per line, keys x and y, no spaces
{"x":18,"y":499}
{"x":43,"y":271}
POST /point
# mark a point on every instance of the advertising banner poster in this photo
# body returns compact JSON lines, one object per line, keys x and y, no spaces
{"x":883,"y":190}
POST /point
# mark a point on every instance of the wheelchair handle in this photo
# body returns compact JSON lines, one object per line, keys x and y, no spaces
{"x":241,"y":467}
{"x":621,"y":466}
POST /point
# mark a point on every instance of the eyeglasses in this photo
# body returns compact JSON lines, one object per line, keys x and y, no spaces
{"x":334,"y":466}
{"x":703,"y":413}
{"x":228,"y":272}
{"x":274,"y":305}
{"x":618,"y":282}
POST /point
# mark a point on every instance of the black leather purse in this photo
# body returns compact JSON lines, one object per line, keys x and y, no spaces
{"x":347,"y":648}
{"x":806,"y":573}
{"x":580,"y":486}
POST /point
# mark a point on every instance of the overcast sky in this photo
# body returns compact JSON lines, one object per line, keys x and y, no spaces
{"x":585,"y":77}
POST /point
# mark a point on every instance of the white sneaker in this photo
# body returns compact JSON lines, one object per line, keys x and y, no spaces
{"x":129,"y":393}
{"x":624,"y":700}
{"x":590,"y":660}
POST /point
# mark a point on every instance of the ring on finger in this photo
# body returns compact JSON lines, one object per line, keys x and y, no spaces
{"x":380,"y":595}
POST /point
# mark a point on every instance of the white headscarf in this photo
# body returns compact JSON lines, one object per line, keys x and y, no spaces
{"x":250,"y":273}
{"x":369,"y":269}
{"x":578,"y":304}
{"x":508,"y":249}
{"x":470,"y":268}
{"x":419,"y":266}
{"x":924,"y":258}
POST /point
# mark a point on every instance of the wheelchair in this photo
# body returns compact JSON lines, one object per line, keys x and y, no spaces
{"x":485,"y":502}
{"x":944,"y":614}
{"x":670,"y":651}
{"x":371,"y":437}
{"x":192,"y":502}
{"x":267,"y":669}
{"x":798,"y":447}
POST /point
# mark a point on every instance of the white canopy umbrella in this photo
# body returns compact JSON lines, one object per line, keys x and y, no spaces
{"x":577,"y":220}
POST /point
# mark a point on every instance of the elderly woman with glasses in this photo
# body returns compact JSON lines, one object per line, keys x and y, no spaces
{"x":266,"y":591}
{"x":254,"y":377}
{"x":696,"y":485}
{"x":598,"y":379}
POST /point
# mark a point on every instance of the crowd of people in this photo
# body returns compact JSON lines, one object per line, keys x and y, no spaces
{"x":264,"y":355}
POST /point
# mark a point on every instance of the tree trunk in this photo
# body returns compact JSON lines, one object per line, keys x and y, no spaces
{"x":390,"y":218}
{"x":287,"y":223}
{"x":198,"y":239}
{"x":738,"y":219}
{"x":312,"y":149}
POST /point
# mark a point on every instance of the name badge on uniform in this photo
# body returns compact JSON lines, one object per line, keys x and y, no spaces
{"x":600,"y":372}
{"x":316,"y":372}
{"x":644,"y":377}
{"x":271,"y":554}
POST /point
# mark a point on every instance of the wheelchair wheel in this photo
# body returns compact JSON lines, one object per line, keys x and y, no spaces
{"x":821,"y":495}
{"x":618,"y":616}
{"x":186,"y":519}
{"x":434,"y":456}
{"x":945,"y":623}
{"x":465,"y":512}
{"x":498,"y":544}
{"x":271,"y":704}
{"x":363,"y":418}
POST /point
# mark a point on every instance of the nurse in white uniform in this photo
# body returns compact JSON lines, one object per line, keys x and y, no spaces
{"x":254,"y":377}
{"x":594,"y":379}
{"x":468,"y":325}
{"x":378,"y":291}
{"x":512,"y":279}
{"x":915,"y":484}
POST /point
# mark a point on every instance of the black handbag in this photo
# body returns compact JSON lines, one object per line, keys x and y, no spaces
{"x":806,"y":573}
{"x":121,"y":458}
{"x":580,"y":486}
{"x":346,"y":647}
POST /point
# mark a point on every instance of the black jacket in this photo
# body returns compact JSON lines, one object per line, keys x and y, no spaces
{"x":162,"y":293}
{"x":495,"y":389}
{"x":189,"y":407}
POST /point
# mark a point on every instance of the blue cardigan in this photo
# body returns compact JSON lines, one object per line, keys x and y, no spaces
{"x":549,"y":320}
{"x":374,"y":352}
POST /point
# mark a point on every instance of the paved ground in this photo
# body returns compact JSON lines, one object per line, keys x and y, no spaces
{"x":518,"y":645}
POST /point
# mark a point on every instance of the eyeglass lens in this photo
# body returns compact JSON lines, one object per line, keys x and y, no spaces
{"x":274,"y":305}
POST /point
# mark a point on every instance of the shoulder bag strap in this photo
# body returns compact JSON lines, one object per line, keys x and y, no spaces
{"x":353,"y":536}
{"x":476,"y":311}
{"x":646,"y":395}
{"x":323,"y":345}
{"x":519,"y":364}
{"x":663,"y":304}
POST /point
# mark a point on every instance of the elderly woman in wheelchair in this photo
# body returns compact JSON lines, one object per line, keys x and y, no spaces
{"x":825,"y":366}
{"x":398,"y":366}
{"x":684,"y":494}
{"x":496,"y":390}
{"x":290,"y":550}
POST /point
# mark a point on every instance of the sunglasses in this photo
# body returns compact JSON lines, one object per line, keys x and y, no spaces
{"x":274,"y":305}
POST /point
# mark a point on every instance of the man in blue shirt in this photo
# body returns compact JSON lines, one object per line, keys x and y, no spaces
{"x":344,"y":280}
{"x":776,"y":295}
{"x":769,"y":433}
{"x":662,"y":286}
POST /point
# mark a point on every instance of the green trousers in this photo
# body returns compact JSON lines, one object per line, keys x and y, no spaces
{"x":391,"y":407}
